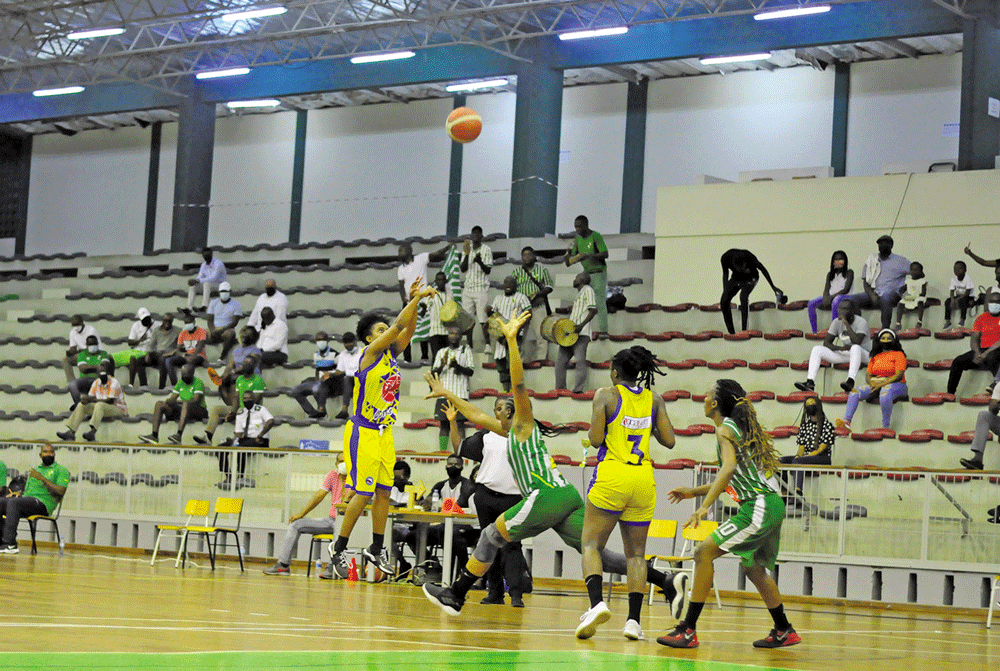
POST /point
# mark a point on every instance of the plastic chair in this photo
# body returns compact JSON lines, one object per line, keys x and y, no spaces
{"x":690,"y":536}
{"x":193,"y":508}
{"x":661,"y":530}
{"x":228,"y":508}
{"x":317,"y":539}
{"x":33,"y":522}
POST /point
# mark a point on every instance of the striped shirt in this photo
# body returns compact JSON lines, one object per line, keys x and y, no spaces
{"x":113,"y":389}
{"x":434,"y":305}
{"x":584,"y":302}
{"x":524,"y":282}
{"x":748,"y":482}
{"x":475,"y":279}
{"x":506,"y":306}
{"x":531,"y":463}
{"x":452,"y":380}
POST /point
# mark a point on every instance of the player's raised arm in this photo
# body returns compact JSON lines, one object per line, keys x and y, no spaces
{"x":524,"y":420}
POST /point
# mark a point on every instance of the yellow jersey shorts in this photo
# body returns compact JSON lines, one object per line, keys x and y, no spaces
{"x":369,"y":454}
{"x":626,"y":489}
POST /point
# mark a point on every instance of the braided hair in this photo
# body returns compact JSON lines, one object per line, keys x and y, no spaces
{"x":636,"y":364}
{"x":733,"y":404}
{"x":545,"y":429}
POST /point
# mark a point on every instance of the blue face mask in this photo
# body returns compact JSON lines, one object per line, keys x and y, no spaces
{"x":994,"y":308}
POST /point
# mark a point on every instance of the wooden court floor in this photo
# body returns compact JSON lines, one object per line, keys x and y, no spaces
{"x":92,"y":611}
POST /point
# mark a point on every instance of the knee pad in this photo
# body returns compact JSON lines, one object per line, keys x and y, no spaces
{"x":490,"y":541}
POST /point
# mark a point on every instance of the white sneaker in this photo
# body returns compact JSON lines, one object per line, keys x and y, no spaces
{"x":599,"y":614}
{"x":633,"y":631}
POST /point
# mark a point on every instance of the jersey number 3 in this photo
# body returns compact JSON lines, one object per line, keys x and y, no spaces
{"x":637,"y":448}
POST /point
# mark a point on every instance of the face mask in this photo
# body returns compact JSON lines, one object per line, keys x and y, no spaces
{"x":147,"y":321}
{"x":270,"y":291}
{"x":994,"y":308}
{"x":342,"y":468}
{"x":104,"y":377}
{"x":248,"y":403}
{"x":321,"y":345}
{"x":224,"y":295}
{"x":453,"y":471}
{"x":187,"y":380}
{"x":812,"y":409}
{"x":92,"y":349}
{"x":190,"y":326}
{"x":48,"y":460}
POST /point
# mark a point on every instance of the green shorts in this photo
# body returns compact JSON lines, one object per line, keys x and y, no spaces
{"x":754,"y":533}
{"x":559,"y":509}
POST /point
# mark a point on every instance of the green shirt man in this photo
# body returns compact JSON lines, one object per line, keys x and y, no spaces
{"x":44,"y":489}
{"x":186,"y":392}
{"x":244,"y":383}
{"x":590,"y":251}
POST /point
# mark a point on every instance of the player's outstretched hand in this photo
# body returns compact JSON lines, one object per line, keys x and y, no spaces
{"x":678,"y":494}
{"x":437,"y":388}
{"x":511,"y":328}
{"x":695,"y":519}
{"x":450,"y":411}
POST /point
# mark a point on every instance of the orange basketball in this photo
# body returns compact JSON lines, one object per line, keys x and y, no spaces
{"x":463,"y":125}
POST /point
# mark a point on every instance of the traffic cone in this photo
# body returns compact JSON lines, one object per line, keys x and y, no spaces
{"x":352,"y":573}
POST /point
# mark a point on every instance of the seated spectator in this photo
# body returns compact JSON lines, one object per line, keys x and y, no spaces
{"x":247,"y":350}
{"x":163,"y":346}
{"x":584,"y":310}
{"x":140,"y":342}
{"x":185,"y":404}
{"x":247,"y":381}
{"x":848,"y":340}
{"x":273,"y":340}
{"x":348,"y":363}
{"x":271,"y":298}
{"x":454,"y":365}
{"x":984,"y":353}
{"x":886,"y":376}
{"x":740,"y":273}
{"x":224,"y":314}
{"x":333,"y":485}
{"x":914,"y":298}
{"x":884,"y":276}
{"x":211,"y":274}
{"x":814,"y":441}
{"x":324,"y":383}
{"x":987,"y":422}
{"x":44,"y":489}
{"x":961,"y":292}
{"x":78,"y":334}
{"x":252,"y":426}
{"x":511,"y":302}
{"x":88,"y":362}
{"x":104,"y":399}
{"x":190,"y":349}
{"x":839,"y":281}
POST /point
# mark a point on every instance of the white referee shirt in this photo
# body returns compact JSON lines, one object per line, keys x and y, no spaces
{"x":585,"y":300}
{"x":259,"y":416}
{"x":494,"y":470}
{"x":507,"y":306}
{"x":475,"y":279}
{"x":452,"y":380}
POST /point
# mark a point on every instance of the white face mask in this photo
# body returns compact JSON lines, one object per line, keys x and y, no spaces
{"x":190,"y":326}
{"x":94,"y":348}
{"x":994,"y":308}
{"x":321,"y":344}
{"x":342,"y":468}
{"x":224,"y":295}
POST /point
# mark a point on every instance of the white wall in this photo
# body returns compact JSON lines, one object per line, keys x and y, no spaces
{"x":487,"y":165}
{"x":897,"y":111}
{"x":88,"y":192}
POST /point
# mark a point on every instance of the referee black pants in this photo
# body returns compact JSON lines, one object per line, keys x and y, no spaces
{"x":510,"y":564}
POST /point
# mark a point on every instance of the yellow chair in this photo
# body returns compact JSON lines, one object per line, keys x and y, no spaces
{"x":33,"y":522}
{"x":690,"y":536}
{"x":317,"y":539}
{"x":663,"y":530}
{"x":231,"y":511}
{"x":193,"y":508}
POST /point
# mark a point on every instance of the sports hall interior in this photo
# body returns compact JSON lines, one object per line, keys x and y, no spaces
{"x":874,"y":118}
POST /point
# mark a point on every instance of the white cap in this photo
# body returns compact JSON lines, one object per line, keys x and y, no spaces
{"x":142,"y":313}
{"x":225,"y":286}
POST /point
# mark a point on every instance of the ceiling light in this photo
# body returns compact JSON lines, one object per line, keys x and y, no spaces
{"x":254,"y":14}
{"x":745,"y":58}
{"x":213,"y":74}
{"x":600,"y":32}
{"x":792,"y":12}
{"x":90,"y":34}
{"x":475,"y":86}
{"x":40,"y":93}
{"x":378,"y":58}
{"x":267,"y":102}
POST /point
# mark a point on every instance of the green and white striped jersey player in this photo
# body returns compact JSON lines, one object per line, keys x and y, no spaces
{"x":549,"y":502}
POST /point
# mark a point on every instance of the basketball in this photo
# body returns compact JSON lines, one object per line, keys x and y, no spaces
{"x":463,"y":125}
{"x":374,"y":574}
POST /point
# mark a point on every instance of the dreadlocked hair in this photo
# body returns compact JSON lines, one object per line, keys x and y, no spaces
{"x":637,"y":363}
{"x":733,"y":403}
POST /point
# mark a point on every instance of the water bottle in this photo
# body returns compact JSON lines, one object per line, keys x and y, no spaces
{"x":436,"y":501}
{"x":62,"y":545}
{"x":319,"y":564}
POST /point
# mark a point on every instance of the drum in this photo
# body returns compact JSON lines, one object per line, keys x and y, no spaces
{"x":452,"y":314}
{"x":493,"y":326}
{"x":559,"y":330}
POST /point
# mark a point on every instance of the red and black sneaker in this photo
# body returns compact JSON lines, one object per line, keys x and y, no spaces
{"x":779,"y":639}
{"x":680,"y":637}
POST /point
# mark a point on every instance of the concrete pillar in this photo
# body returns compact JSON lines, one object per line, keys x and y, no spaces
{"x":193,"y":181}
{"x":979,"y":136}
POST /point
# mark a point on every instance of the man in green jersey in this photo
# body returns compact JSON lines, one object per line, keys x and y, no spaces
{"x":248,"y":380}
{"x":185,"y":404}
{"x":45,"y":488}
{"x":590,"y":251}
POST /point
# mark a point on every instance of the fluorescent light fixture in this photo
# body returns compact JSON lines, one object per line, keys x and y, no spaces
{"x":475,"y":86}
{"x":267,"y":102}
{"x":600,"y":32}
{"x":90,"y":34}
{"x":378,"y":58}
{"x":804,"y":10}
{"x":254,"y":14}
{"x":41,"y":93}
{"x":213,"y":74}
{"x":745,"y":58}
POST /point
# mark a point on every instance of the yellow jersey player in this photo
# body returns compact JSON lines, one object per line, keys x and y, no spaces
{"x":622,"y":490}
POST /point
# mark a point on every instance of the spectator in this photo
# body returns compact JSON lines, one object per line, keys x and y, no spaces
{"x":437,"y":331}
{"x":884,"y":276}
{"x":163,"y":346}
{"x":584,"y":309}
{"x":848,"y":340}
{"x":87,"y":362}
{"x":211,"y":274}
{"x":987,"y":422}
{"x":740,"y":273}
{"x":78,"y":334}
{"x":252,"y":426}
{"x":248,"y":349}
{"x":44,"y":489}
{"x":224,"y":314}
{"x":104,"y":399}
{"x":886,"y":376}
{"x":140,"y":342}
{"x":323,"y":383}
{"x":298,"y":524}
{"x":190,"y":348}
{"x":986,"y":263}
{"x":914,"y":298}
{"x":248,"y":381}
{"x":589,"y":250}
{"x":271,"y":298}
{"x":814,"y":441}
{"x":411,"y":268}
{"x":273,"y":340}
{"x":839,"y":281}
{"x":454,"y":364}
{"x":985,"y":345}
{"x":508,"y":304}
{"x":476,"y":263}
{"x":185,"y":404}
{"x":535,"y":282}
{"x":348,"y":363}
{"x":960,"y":295}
